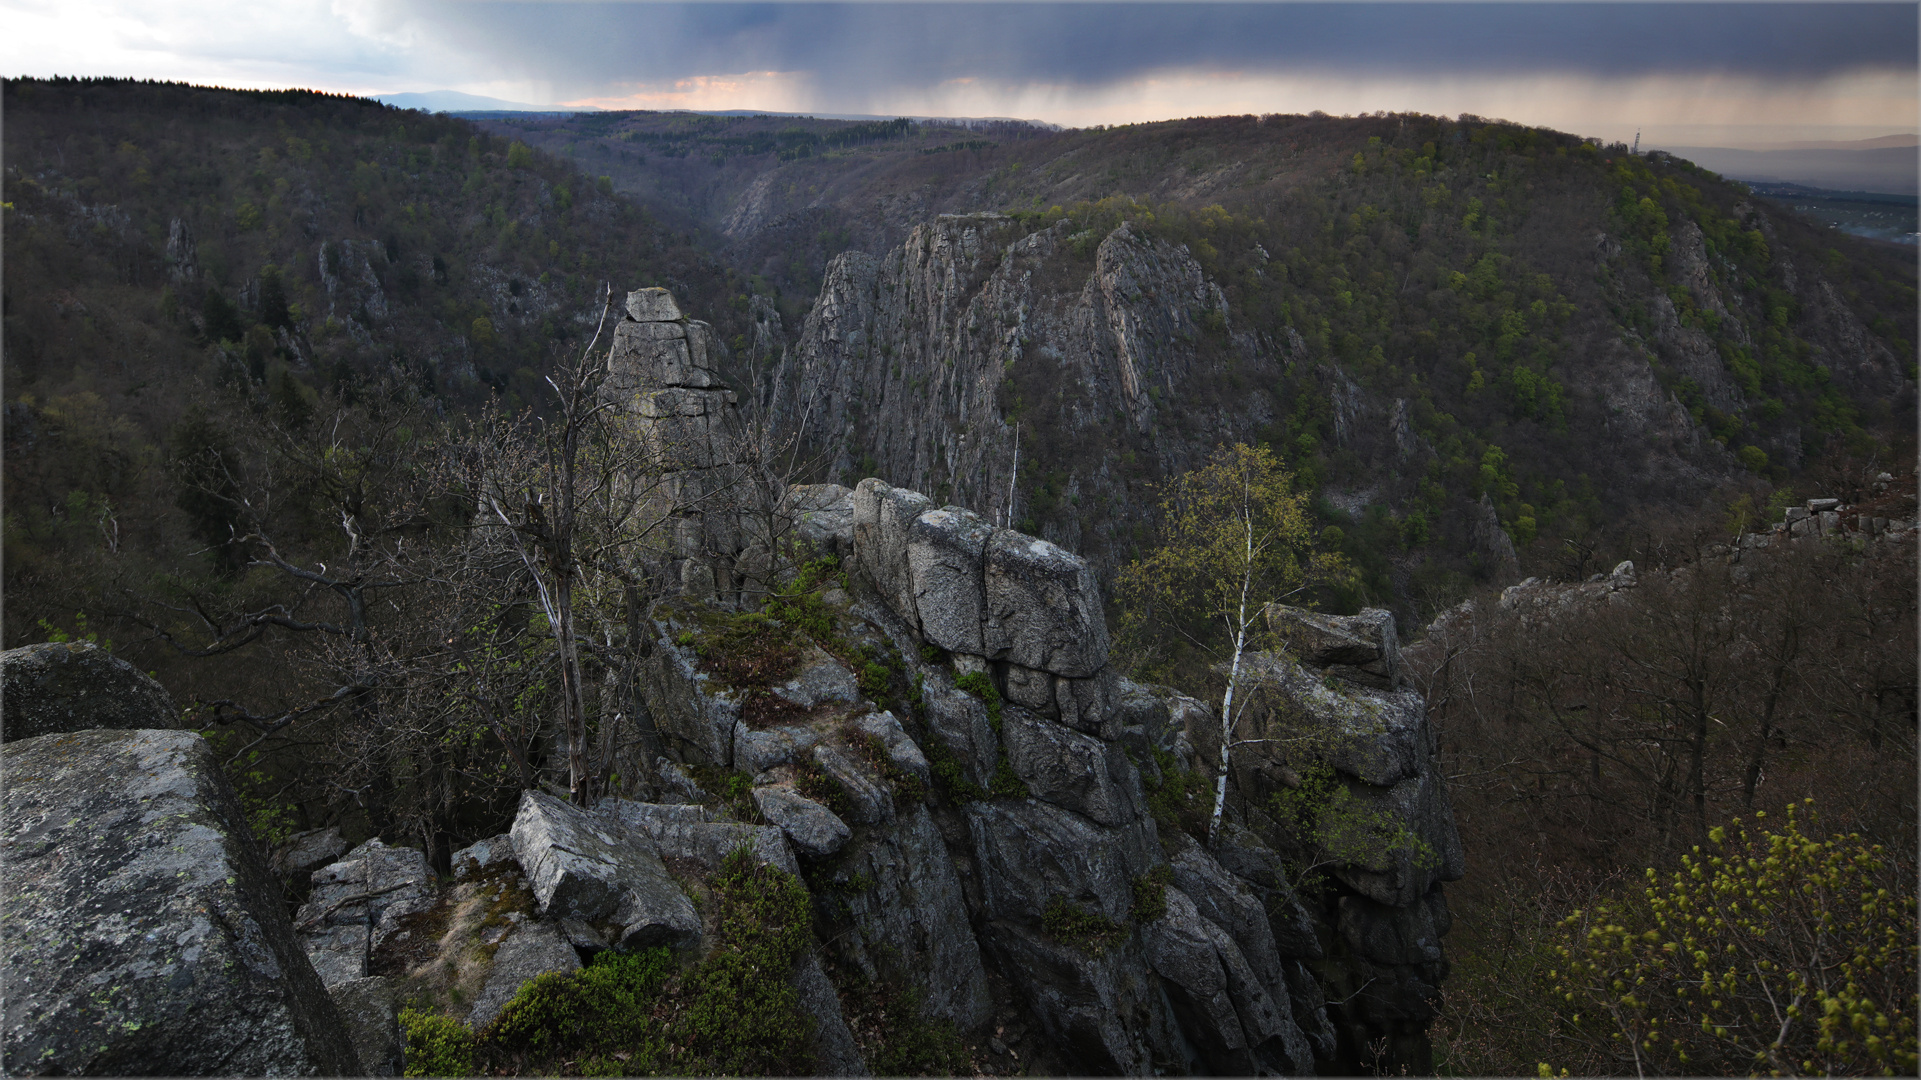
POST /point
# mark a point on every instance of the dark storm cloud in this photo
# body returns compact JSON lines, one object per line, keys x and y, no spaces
{"x":584,"y":46}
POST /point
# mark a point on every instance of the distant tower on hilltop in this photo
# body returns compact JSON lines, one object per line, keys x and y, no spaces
{"x":1637,"y":142}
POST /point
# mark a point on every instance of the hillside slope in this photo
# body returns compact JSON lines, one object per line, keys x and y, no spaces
{"x":177,"y":253}
{"x":1477,"y":340}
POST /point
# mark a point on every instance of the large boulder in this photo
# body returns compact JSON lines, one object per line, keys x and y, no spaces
{"x":75,"y":686}
{"x":1234,"y":1020}
{"x":357,"y":903}
{"x":1043,"y":607}
{"x":945,"y":549}
{"x":884,"y":520}
{"x":143,"y":931}
{"x":1363,"y":649}
{"x":579,"y":867}
{"x":814,"y":830}
{"x":1064,"y":767}
{"x":1028,"y":853}
{"x":688,"y":831}
{"x":823,"y":516}
{"x":367,"y":1008}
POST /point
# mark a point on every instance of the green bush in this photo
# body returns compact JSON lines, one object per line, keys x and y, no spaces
{"x":1150,"y":893}
{"x":1776,"y":952}
{"x":978,"y":684}
{"x":436,"y":1045}
{"x":1071,"y":924}
{"x":733,"y":1013}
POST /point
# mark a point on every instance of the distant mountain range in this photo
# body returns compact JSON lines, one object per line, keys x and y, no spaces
{"x":1888,"y":164}
{"x":453,"y":101}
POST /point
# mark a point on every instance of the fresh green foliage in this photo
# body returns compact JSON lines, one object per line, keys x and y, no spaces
{"x":1150,"y":893}
{"x":1006,"y":783}
{"x":1774,"y":952}
{"x":437,"y":1045}
{"x":1336,"y":826}
{"x":733,"y":1012}
{"x":814,"y":782}
{"x":950,"y":776}
{"x":908,"y":788}
{"x":981,"y":685}
{"x":1071,"y":924}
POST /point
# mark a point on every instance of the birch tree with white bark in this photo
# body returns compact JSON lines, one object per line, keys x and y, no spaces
{"x":1235,"y":536}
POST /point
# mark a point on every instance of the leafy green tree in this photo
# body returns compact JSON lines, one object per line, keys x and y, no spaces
{"x":1778,"y":952}
{"x":1236,"y":536}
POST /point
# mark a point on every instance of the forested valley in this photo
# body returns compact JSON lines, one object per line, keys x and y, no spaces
{"x":304,"y":416}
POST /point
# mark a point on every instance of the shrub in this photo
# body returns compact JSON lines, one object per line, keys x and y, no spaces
{"x":1071,"y":924}
{"x":1150,"y":893}
{"x":1775,"y":952}
{"x":978,"y":684}
{"x":436,"y":1045}
{"x":733,"y":1013}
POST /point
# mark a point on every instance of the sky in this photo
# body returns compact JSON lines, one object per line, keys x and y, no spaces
{"x":1712,"y":74}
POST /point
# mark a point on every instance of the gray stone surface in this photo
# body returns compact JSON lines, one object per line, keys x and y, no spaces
{"x":1226,"y":1011}
{"x":484,"y":856}
{"x":309,"y":851}
{"x":1363,"y":648}
{"x":685,"y":832}
{"x":367,"y":1008}
{"x":821,"y":680}
{"x":694,"y":718}
{"x":1395,"y":935}
{"x":1226,"y":901}
{"x":945,"y":549}
{"x":883,"y":523}
{"x":901,"y":749}
{"x":357,"y":903}
{"x":532,"y":950}
{"x":1043,"y":607}
{"x":1028,"y":852}
{"x":652,"y":305}
{"x":873,"y":801}
{"x":1032,"y":690}
{"x":75,"y":686}
{"x":959,"y":720}
{"x":823,"y":517}
{"x":1372,"y":735}
{"x":1062,"y":767}
{"x":144,"y":934}
{"x":1400,"y":875}
{"x":813,"y":829}
{"x":581,"y":865}
{"x":755,"y":752}
{"x":1102,"y":1012}
{"x":1260,"y":868}
{"x":835,"y":1052}
{"x":911,"y":922}
{"x":1088,"y":704}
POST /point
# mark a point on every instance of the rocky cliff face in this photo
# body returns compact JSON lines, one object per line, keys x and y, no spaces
{"x":917,"y":365}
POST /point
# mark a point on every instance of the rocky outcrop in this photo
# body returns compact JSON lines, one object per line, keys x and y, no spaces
{"x":663,"y":376}
{"x":76,"y":686}
{"x":144,"y":933}
{"x":1026,"y":865}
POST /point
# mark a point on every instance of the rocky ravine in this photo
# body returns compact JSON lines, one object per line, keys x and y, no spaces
{"x":989,"y":819}
{"x":1123,"y":365}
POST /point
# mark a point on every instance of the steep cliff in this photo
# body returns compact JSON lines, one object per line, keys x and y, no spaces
{"x":1469,"y":344}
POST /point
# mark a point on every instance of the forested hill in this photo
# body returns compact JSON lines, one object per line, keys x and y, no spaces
{"x":1476,"y":340}
{"x":173,"y":252}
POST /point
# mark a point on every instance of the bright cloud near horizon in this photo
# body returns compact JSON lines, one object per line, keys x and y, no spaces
{"x":1728,"y":74}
